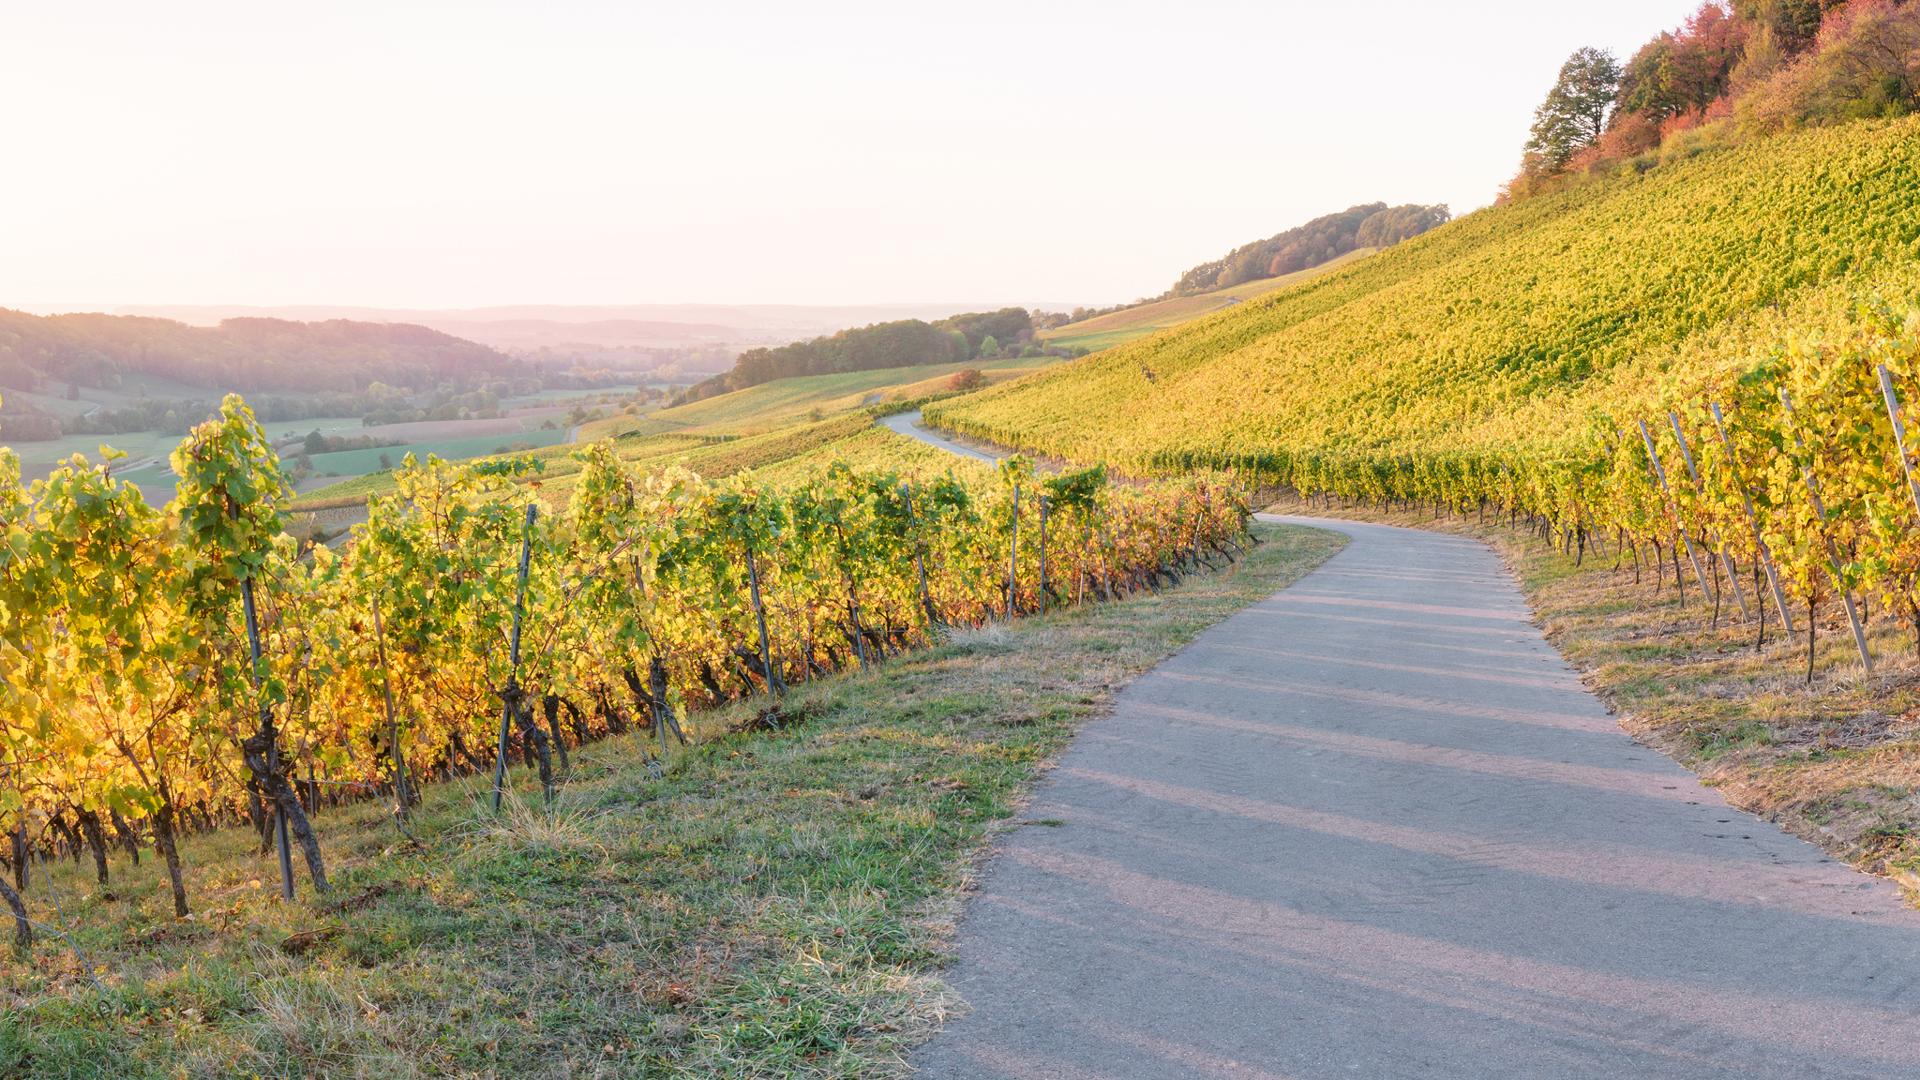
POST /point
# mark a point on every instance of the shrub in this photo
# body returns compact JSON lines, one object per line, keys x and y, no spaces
{"x":969,"y":379}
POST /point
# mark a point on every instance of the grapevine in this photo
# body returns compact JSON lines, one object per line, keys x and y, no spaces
{"x":195,"y":665}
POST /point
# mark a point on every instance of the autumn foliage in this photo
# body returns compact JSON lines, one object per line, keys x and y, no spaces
{"x":1732,"y":71}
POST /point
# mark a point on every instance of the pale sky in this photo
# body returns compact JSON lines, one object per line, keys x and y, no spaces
{"x":462,"y":155}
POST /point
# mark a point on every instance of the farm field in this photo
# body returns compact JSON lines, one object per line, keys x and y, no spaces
{"x":790,"y":425}
{"x":786,"y":400}
{"x":350,"y":462}
{"x":1135,"y":323}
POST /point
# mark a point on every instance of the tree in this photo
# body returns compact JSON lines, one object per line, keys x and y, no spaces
{"x":968,"y":379}
{"x":1684,"y":72}
{"x":1575,"y":111}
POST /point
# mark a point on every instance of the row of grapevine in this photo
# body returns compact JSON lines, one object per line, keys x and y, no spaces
{"x":1542,"y":306}
{"x":186,"y":666}
{"x":1781,"y":481}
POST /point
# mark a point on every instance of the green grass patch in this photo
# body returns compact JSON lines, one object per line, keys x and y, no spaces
{"x":358,"y":462}
{"x":818,"y":397}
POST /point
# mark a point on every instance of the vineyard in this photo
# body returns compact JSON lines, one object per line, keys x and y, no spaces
{"x":182,"y":669}
{"x":1706,"y":369}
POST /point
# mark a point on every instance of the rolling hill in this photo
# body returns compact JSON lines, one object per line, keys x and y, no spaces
{"x":248,"y":354}
{"x":1507,"y":332}
{"x":1133,"y":323}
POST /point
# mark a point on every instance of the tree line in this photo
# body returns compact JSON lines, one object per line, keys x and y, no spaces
{"x":1306,"y":246}
{"x":377,"y":405}
{"x":1733,"y":70}
{"x":904,"y":343}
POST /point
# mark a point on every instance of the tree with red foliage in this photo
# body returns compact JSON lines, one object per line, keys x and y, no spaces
{"x":1683,"y":72}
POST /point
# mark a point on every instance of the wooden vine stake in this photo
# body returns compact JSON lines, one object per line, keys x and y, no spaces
{"x":511,"y":695}
{"x":1686,"y":455}
{"x":1753,"y":523}
{"x":1899,"y":434}
{"x":1661,"y":474}
{"x":920,"y":562}
{"x":1833,"y":553}
{"x":281,"y":841}
{"x":403,"y":800}
{"x":1013,"y":551}
{"x":1043,"y":554}
{"x":760,"y":616}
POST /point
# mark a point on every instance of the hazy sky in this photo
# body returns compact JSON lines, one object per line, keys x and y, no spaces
{"x":458,"y":155}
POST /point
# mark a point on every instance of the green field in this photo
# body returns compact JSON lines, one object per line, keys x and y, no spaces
{"x":1133,"y":323}
{"x":58,"y":406}
{"x":784,"y":427}
{"x":791,"y":400}
{"x":355,"y":462}
{"x":140,"y":444}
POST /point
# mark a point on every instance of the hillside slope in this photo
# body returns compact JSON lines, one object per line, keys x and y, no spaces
{"x":1133,"y":323}
{"x":1510,"y":324}
{"x":102,"y":351}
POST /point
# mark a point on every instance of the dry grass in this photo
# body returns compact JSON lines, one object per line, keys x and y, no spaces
{"x":777,"y":903}
{"x":1836,"y":761}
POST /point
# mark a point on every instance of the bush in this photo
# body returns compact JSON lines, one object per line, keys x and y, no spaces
{"x":969,"y":379}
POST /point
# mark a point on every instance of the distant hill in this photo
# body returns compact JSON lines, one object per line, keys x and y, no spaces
{"x":1322,"y":240}
{"x":1509,"y":337}
{"x":244,"y":354}
{"x":558,"y":326}
{"x":898,"y":344}
{"x":1119,"y":327}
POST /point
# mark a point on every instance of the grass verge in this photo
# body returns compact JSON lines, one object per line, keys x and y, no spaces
{"x":1835,"y":760}
{"x":776,"y":902}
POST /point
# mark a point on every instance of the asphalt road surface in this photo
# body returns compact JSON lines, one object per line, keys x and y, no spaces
{"x":908,"y":424}
{"x":1375,"y":827}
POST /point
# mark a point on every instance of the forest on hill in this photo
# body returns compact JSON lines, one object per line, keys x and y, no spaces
{"x":340,"y":356}
{"x":1733,"y":71}
{"x":1306,"y":246}
{"x":903,"y":343}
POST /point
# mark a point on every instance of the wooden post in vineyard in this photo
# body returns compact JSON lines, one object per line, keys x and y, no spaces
{"x":281,"y":841}
{"x":1726,"y":560}
{"x":1013,"y":551}
{"x":511,"y":695}
{"x":1654,"y":456}
{"x":1753,"y":522}
{"x":920,"y":562}
{"x":402,"y":798}
{"x":760,"y":616}
{"x":1833,"y":553}
{"x":1043,"y":554}
{"x":1899,"y":434}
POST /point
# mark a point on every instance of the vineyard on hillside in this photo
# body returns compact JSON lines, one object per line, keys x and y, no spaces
{"x":194,"y":666}
{"x":1711,"y":364}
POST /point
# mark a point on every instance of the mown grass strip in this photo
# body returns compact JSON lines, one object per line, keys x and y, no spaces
{"x":776,"y":904}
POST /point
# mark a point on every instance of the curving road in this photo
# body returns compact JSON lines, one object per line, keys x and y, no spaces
{"x":1375,"y":827}
{"x":908,"y":424}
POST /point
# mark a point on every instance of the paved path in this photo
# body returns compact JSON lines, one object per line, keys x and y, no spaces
{"x":1374,"y":827}
{"x":908,"y":424}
